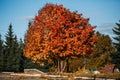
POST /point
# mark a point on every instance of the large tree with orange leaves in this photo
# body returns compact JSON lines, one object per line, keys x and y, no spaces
{"x":58,"y":34}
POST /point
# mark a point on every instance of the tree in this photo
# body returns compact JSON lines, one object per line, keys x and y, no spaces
{"x":104,"y":48}
{"x":8,"y":56}
{"x":12,"y":55}
{"x":1,"y":54}
{"x":58,"y":34}
{"x":21,"y":56}
{"x":17,"y":62}
{"x":116,"y":55}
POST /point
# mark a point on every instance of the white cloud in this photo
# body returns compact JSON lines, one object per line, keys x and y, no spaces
{"x":106,"y":28}
{"x":26,"y":18}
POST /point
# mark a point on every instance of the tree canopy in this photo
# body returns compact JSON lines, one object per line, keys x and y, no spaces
{"x":58,"y":34}
{"x":103,"y":51}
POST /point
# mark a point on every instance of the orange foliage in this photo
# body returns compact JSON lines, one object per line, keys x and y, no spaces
{"x":59,"y":33}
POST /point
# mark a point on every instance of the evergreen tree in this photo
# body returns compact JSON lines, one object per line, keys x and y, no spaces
{"x":21,"y":59}
{"x":8,"y":56}
{"x":17,"y":56}
{"x":12,"y":57}
{"x":1,"y":54}
{"x":116,"y":55}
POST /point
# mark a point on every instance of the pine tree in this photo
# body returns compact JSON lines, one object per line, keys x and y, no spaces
{"x":21,"y":59}
{"x":16,"y":56}
{"x":12,"y":57}
{"x":116,"y":55}
{"x":8,"y":57}
{"x":1,"y":54}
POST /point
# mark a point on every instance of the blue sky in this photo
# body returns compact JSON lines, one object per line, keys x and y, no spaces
{"x":102,"y":13}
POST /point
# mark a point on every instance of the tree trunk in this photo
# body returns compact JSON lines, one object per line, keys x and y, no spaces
{"x":58,"y":65}
{"x":67,"y":65}
{"x":61,"y":65}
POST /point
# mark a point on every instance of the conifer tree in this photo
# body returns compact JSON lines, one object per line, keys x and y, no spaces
{"x":8,"y":56}
{"x":21,"y":59}
{"x":116,"y":55}
{"x":12,"y":56}
{"x":16,"y":56}
{"x":1,"y":54}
